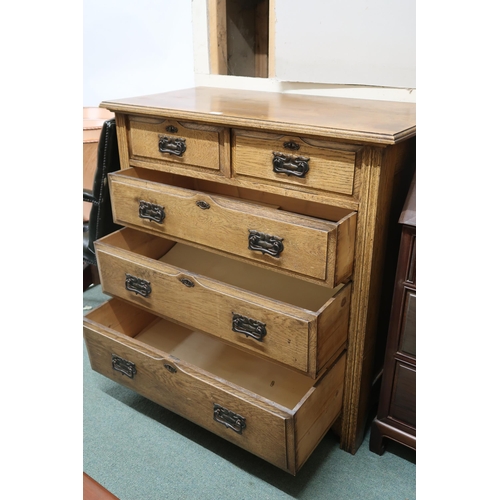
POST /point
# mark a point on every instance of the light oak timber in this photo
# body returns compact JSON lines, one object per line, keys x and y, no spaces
{"x":205,"y":144}
{"x":331,"y":165}
{"x":299,"y":192}
{"x":306,"y":324}
{"x":284,"y":411}
{"x":385,"y":180}
{"x":357,"y":120}
{"x":310,"y":245}
{"x":384,"y":133}
{"x":261,"y":39}
{"x":217,"y":28}
{"x":122,"y":135}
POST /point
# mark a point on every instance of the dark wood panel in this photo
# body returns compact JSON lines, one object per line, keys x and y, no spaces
{"x":412,"y":267}
{"x":403,"y":403}
{"x":409,"y":326}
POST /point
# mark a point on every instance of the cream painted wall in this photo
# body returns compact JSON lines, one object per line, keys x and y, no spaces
{"x":136,"y":47}
{"x":204,"y":78}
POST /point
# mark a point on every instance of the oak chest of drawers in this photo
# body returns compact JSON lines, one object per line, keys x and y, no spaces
{"x":246,"y":281}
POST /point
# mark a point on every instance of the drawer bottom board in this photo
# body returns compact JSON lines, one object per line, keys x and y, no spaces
{"x":284,"y":414}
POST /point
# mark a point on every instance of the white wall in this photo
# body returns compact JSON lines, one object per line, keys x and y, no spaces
{"x":136,"y":47}
{"x":354,"y":42}
{"x":307,"y":84}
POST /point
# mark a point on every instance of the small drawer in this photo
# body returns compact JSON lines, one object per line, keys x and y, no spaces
{"x":306,"y":163}
{"x":267,"y":409}
{"x":317,"y":250}
{"x":171,"y":145}
{"x":277,"y":317}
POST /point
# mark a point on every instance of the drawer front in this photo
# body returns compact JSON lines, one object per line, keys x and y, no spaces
{"x":299,"y":338}
{"x":187,"y":392}
{"x":307,"y":163}
{"x":182,"y":144}
{"x":314,"y":249}
{"x":403,"y":400}
{"x":283,"y":436}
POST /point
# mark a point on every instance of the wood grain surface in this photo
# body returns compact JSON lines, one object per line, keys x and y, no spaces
{"x":368,"y":121}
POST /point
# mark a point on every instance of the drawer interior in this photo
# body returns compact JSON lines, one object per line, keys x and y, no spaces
{"x":195,"y":260}
{"x":264,"y":378}
{"x":254,"y":279}
{"x":296,"y":206}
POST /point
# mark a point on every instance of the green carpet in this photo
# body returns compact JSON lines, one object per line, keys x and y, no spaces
{"x":141,"y":451}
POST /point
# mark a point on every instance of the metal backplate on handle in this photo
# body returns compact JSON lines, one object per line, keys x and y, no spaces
{"x":228,"y":418}
{"x":137,"y":285}
{"x":297,"y":166}
{"x":171,"y":145}
{"x":151,"y":211}
{"x":249,"y":327}
{"x":265,"y":243}
{"x":123,"y":366}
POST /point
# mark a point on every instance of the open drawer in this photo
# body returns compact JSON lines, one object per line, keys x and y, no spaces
{"x":317,"y":250}
{"x":280,"y":317}
{"x":267,"y":409}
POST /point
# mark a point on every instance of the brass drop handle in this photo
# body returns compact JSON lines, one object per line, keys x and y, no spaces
{"x":297,"y":166}
{"x":230,"y":419}
{"x":151,"y":211}
{"x":249,"y":327}
{"x":171,"y":145}
{"x":137,"y":285}
{"x":123,"y":366}
{"x":265,"y":243}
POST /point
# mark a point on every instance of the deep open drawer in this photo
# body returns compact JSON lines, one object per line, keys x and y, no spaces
{"x":275,"y":413}
{"x":280,"y":317}
{"x":313,"y":249}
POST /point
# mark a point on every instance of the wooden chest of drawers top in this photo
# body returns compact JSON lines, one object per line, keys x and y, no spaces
{"x":362,"y":121}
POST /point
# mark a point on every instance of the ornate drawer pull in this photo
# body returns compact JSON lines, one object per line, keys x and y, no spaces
{"x":137,"y":285}
{"x":150,"y":211}
{"x":123,"y":366}
{"x":265,"y":243}
{"x":228,"y":418}
{"x":249,"y":327}
{"x":290,"y":165}
{"x":171,"y":145}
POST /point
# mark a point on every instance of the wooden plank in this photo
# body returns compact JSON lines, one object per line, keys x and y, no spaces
{"x":375,"y":122}
{"x":318,"y":411}
{"x":122,"y":135}
{"x":381,"y":188}
{"x":217,"y":36}
{"x":271,"y":60}
{"x":191,"y":392}
{"x":261,"y":39}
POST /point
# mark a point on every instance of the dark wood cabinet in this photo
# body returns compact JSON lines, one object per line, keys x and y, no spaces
{"x":396,"y":416}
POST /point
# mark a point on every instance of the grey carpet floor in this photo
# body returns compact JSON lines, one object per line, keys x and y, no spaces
{"x":141,"y":451}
